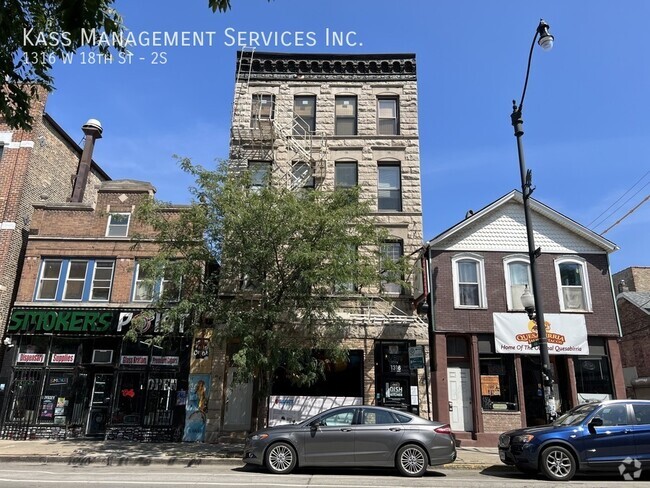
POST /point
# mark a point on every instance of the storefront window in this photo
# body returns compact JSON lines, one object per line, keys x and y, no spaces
{"x":25,"y":393}
{"x":593,"y":376}
{"x":161,"y":398}
{"x":65,"y":352}
{"x":129,"y":400}
{"x":498,"y":383}
{"x":57,"y":399}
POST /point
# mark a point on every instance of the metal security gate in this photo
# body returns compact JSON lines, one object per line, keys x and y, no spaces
{"x":22,"y":404}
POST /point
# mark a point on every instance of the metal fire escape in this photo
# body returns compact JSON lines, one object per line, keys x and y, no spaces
{"x":262,"y":136}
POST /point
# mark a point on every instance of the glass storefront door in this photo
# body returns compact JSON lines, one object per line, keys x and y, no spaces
{"x":100,"y":403}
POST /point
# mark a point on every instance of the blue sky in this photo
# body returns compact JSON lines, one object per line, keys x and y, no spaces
{"x":587,"y":129}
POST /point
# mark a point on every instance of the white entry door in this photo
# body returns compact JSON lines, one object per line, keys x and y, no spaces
{"x":239,"y":399}
{"x":460,"y":399}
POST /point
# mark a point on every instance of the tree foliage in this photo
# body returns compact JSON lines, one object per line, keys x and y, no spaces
{"x":34,"y":34}
{"x":284,"y":256}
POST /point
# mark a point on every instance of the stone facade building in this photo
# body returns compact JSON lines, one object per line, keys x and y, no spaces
{"x":486,"y":377}
{"x":36,"y":166}
{"x":324,"y":121}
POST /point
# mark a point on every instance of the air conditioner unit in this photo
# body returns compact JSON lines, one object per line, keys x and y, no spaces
{"x":102,"y":356}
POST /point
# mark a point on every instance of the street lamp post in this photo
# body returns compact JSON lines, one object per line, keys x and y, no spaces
{"x":534,"y":307}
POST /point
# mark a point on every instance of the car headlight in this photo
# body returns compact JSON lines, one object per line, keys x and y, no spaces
{"x":259,"y":437}
{"x":522,"y":439}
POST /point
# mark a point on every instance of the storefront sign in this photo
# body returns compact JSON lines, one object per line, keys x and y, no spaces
{"x":416,"y":357}
{"x":134,"y":360}
{"x":91,"y":321}
{"x":28,"y":357}
{"x":164,"y":360}
{"x":490,"y":385}
{"x":62,"y":358}
{"x":514,"y":333}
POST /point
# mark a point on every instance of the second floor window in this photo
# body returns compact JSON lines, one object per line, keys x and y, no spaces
{"x":345,"y":174}
{"x":75,"y":279}
{"x":260,"y":173}
{"x":304,"y":114}
{"x":118,"y":225}
{"x":389,"y":187}
{"x":387,"y":116}
{"x":573,"y":285}
{"x":302,"y":175}
{"x":517,"y":279}
{"x":391,"y":252}
{"x":346,"y":116}
{"x":469,"y":281}
{"x":146,"y":288}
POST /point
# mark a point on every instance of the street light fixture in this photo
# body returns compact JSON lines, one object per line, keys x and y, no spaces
{"x":533,"y":303}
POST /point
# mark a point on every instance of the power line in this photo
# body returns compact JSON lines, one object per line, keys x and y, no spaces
{"x":602,"y":222}
{"x":618,"y":200}
{"x":626,"y":215}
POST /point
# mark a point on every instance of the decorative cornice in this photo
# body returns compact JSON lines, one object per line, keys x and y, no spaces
{"x":318,"y":67}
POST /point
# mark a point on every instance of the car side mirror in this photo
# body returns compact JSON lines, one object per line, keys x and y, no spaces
{"x":316,"y":424}
{"x":595,"y":422}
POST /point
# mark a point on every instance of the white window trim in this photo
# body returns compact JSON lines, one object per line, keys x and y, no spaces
{"x":67,"y":278}
{"x":482,"y":294}
{"x":41,"y":279}
{"x":586,"y":292}
{"x":515,"y":258}
{"x":128,"y":223}
{"x":92,"y":281}
{"x":135,"y":286}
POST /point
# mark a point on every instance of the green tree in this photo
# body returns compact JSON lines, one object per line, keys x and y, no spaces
{"x":289,"y":262}
{"x":34,"y":34}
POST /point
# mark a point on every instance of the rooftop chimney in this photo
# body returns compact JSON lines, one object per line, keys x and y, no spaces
{"x":622,"y":287}
{"x":93,"y":130}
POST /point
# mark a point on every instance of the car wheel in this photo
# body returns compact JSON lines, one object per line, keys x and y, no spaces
{"x":281,"y":458}
{"x":412,"y":460}
{"x":558,"y":464}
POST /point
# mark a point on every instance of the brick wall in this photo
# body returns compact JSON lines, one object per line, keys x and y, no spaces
{"x":600,"y":321}
{"x":501,"y":421}
{"x":637,"y":278}
{"x":636,"y":337}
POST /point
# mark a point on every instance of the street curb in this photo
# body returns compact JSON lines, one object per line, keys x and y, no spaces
{"x":189,"y":461}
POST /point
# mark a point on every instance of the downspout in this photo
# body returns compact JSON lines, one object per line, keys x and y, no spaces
{"x":611,"y":284}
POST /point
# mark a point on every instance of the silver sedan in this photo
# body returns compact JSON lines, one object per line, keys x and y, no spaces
{"x":354,"y":436}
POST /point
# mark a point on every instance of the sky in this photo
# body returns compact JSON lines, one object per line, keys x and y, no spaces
{"x":587,"y":130}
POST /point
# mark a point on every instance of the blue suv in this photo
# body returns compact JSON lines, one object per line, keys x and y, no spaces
{"x":594,"y":436}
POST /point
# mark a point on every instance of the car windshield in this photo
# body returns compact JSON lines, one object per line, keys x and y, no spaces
{"x":576,"y":415}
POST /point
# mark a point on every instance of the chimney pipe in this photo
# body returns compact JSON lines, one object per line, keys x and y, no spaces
{"x":93,"y":131}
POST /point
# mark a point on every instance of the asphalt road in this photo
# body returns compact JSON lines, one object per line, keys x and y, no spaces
{"x":24,"y":475}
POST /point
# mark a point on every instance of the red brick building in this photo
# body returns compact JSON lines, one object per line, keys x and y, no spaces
{"x":36,"y":167}
{"x":82,"y":288}
{"x":486,"y":375}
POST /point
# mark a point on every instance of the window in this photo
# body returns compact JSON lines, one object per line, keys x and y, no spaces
{"x":130,"y":394}
{"x":146,"y":288}
{"x":302,"y":176}
{"x":469,"y":281}
{"x":346,"y":116}
{"x":517,"y":272}
{"x":642,"y":413}
{"x":391,"y":253}
{"x":262,"y":109}
{"x":593,"y":376}
{"x":49,"y":281}
{"x":498,"y":378}
{"x":118,"y":225}
{"x":389,"y":187}
{"x":340,"y":418}
{"x":347,"y":260}
{"x":304,"y":115}
{"x":85,"y":280}
{"x":345,"y":174}
{"x":613,"y":415}
{"x":260,"y":173}
{"x":373,"y":416}
{"x":573,"y":284}
{"x":387,"y":116}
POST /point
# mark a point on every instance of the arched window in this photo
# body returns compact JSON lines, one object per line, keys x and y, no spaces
{"x":573,"y":284}
{"x":468,"y":272}
{"x":517,"y":273}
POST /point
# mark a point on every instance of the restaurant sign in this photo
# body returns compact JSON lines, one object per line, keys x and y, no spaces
{"x":90,"y":321}
{"x":515,"y":333}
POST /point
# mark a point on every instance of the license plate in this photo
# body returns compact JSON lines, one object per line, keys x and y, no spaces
{"x":502,"y":455}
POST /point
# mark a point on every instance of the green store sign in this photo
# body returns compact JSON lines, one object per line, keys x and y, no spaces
{"x":106,"y":322}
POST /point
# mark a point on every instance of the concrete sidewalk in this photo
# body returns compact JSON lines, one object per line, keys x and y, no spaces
{"x":186,"y":454}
